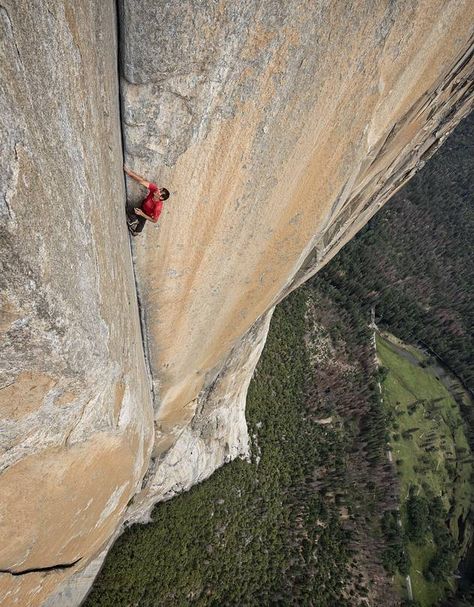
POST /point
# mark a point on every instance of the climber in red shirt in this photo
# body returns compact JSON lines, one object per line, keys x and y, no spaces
{"x":151,"y":206}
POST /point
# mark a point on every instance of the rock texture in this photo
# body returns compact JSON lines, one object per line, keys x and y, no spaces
{"x":280,"y":128}
{"x":216,"y":432}
{"x":75,"y":403}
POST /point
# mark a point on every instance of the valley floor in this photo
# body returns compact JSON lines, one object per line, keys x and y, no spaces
{"x":300,"y":523}
{"x":434,"y":463}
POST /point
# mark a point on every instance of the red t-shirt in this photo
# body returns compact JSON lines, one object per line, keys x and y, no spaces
{"x":152,"y":207}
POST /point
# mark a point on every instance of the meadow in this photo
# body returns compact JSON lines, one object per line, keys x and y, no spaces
{"x":432,"y":456}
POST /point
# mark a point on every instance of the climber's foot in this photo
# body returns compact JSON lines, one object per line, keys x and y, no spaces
{"x":132,"y":224}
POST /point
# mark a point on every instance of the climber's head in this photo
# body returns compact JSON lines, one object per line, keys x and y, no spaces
{"x":161,"y":194}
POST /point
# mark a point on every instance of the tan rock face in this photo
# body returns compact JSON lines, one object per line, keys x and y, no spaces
{"x":76,"y":424}
{"x":30,"y":589}
{"x":279,"y":128}
{"x":216,"y":432}
{"x":92,"y":478}
{"x":24,"y":396}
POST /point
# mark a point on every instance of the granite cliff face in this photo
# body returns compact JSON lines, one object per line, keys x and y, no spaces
{"x":75,"y":401}
{"x":279,"y":128}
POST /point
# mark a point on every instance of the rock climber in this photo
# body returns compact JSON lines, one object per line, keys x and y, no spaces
{"x":151,"y":206}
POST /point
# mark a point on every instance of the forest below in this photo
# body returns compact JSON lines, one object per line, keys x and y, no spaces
{"x":303,"y":518}
{"x":414,"y":259}
{"x":310,"y":520}
{"x":412,"y":264}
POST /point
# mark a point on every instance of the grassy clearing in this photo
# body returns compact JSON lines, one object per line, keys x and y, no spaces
{"x":430,"y":449}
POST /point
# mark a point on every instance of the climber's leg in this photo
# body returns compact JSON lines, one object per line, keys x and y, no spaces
{"x":140,"y":225}
{"x":135,"y":223}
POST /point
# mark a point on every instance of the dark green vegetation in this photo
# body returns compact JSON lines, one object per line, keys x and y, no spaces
{"x":300,"y":525}
{"x":414,"y":264}
{"x":414,"y":259}
{"x":429,"y":445}
{"x":313,"y":517}
{"x":254,"y":533}
{"x":395,"y":557}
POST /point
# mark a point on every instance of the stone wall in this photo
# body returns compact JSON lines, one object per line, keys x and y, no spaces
{"x":75,"y":408}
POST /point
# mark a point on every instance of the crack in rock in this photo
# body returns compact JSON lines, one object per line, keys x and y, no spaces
{"x":42,"y":569}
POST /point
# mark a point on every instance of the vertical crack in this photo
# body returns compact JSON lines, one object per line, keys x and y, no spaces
{"x":3,"y":9}
{"x":141,"y":308}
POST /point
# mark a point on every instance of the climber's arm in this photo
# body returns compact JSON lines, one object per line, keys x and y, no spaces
{"x":143,"y":214}
{"x":136,"y":177}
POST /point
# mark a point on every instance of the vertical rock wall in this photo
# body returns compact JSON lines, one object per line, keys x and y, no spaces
{"x":280,"y":128}
{"x":75,"y":408}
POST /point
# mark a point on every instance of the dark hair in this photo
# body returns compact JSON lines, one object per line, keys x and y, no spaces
{"x":164,"y":194}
